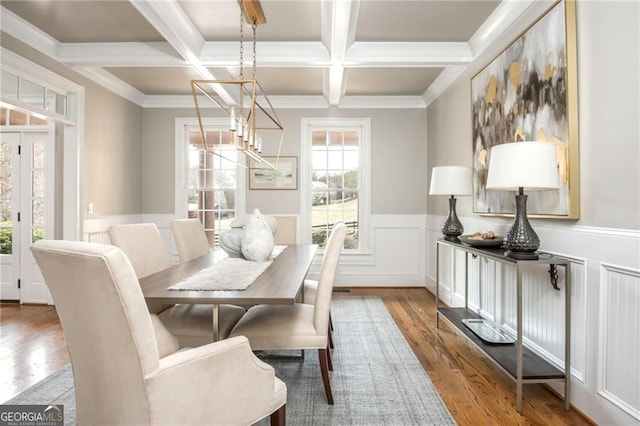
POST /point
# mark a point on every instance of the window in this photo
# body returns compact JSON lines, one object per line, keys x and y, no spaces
{"x":213,"y":182}
{"x":336,"y":187}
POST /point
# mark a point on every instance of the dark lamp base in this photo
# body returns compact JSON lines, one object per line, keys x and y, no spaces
{"x":522,"y":255}
{"x":452,"y":228}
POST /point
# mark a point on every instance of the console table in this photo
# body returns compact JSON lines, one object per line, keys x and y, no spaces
{"x":519,"y":363}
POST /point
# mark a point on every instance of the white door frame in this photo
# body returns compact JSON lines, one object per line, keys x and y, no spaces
{"x":32,"y":288}
{"x":72,"y":134}
{"x":68,"y":223}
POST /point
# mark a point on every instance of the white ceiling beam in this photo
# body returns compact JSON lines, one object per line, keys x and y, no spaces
{"x":394,"y":54}
{"x":168,"y":18}
{"x":22,"y":30}
{"x":294,"y":54}
{"x":276,"y":54}
{"x":119,"y":54}
{"x":339,"y":21}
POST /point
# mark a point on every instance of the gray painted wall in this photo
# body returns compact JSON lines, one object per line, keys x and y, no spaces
{"x":609,"y":111}
{"x":398,"y":150}
{"x":112,"y":135}
{"x":112,"y":154}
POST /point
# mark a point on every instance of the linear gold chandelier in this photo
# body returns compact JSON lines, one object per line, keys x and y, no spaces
{"x":252,"y":118}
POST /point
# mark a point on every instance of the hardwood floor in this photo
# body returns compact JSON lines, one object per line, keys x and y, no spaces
{"x":474,"y":390}
{"x":32,"y":346}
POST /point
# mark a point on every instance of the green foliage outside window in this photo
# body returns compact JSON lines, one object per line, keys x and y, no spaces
{"x":6,"y":237}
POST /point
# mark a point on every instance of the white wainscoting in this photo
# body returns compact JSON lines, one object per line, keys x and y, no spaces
{"x":620,"y":328}
{"x":396,"y":258}
{"x":605,"y":307}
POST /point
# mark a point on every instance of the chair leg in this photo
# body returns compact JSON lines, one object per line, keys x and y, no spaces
{"x":330,"y":322}
{"x":329,"y":362}
{"x":278,"y":417}
{"x":330,"y":334}
{"x":322,"y":355}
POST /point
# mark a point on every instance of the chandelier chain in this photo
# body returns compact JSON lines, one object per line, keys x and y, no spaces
{"x":241,"y":44}
{"x":253,"y":28}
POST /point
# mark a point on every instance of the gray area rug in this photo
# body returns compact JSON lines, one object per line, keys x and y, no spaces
{"x":377,"y":380}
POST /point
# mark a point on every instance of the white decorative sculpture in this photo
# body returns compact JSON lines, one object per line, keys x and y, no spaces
{"x":231,"y":241}
{"x":257,"y":243}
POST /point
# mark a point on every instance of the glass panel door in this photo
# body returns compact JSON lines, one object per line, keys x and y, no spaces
{"x":9,"y":207}
{"x":23,"y":213}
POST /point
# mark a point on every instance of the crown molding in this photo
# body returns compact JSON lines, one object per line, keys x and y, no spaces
{"x":302,"y":102}
{"x":112,"y":83}
{"x":507,"y":12}
{"x":441,"y":83}
{"x":383,"y":102}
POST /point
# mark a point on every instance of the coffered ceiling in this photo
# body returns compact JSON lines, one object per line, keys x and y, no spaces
{"x":310,"y":53}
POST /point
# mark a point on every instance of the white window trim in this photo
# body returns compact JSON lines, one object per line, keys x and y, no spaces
{"x":361,"y":125}
{"x":182,"y":128}
{"x":73,"y":135}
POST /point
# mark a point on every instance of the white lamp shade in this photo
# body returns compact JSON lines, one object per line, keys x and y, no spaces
{"x":530,"y":165}
{"x":450,"y":180}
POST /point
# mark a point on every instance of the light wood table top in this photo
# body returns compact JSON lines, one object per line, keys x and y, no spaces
{"x":278,"y":284}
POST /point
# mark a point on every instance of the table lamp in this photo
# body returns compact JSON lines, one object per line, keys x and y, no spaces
{"x":518,"y":166}
{"x":452,"y":181}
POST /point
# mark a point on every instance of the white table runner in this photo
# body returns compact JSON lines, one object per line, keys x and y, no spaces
{"x":230,"y":273}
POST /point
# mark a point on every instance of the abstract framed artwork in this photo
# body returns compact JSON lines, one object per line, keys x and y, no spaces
{"x":285,"y":176}
{"x":529,"y":93}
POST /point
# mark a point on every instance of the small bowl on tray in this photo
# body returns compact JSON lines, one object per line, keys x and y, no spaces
{"x":494,"y":242}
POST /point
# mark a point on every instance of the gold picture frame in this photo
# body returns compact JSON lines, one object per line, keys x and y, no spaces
{"x":529,"y":92}
{"x":285,"y":176}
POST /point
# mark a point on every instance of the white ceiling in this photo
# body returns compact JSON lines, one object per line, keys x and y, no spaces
{"x":310,"y":53}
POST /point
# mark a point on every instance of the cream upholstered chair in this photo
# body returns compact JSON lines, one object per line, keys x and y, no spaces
{"x":310,"y":289}
{"x":311,"y":286}
{"x":125,"y":365}
{"x":190,"y":237}
{"x":192,"y":324}
{"x":285,"y":230}
{"x":298,"y":326}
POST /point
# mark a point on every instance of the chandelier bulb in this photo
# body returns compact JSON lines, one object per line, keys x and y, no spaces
{"x":232,"y":120}
{"x":240,"y":127}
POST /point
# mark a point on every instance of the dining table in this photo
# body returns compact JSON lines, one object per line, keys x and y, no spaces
{"x":280,"y":283}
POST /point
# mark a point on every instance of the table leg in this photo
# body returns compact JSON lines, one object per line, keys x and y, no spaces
{"x":216,"y":312}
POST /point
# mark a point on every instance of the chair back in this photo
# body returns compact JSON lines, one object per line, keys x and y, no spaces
{"x":190,"y":237}
{"x":143,"y":244}
{"x":285,"y":230}
{"x":327,"y":275}
{"x":107,"y":327}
